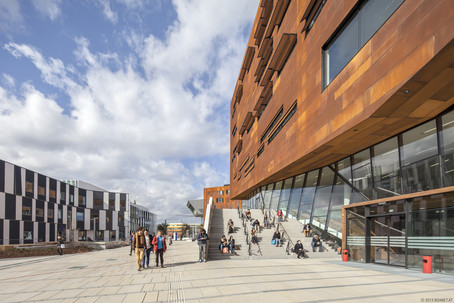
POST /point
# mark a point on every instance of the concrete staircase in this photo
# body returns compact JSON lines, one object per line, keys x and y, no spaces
{"x":219,"y":228}
{"x":264,"y":249}
{"x":294,"y":230}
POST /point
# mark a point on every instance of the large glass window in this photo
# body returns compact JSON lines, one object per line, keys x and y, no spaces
{"x":356,"y":234}
{"x":340,"y":197}
{"x":285,"y":194}
{"x":26,"y":211}
{"x":98,"y":198}
{"x":447,"y":122}
{"x":322,"y":197}
{"x":420,"y":161}
{"x":79,"y":216}
{"x":362,"y":174}
{"x":268,"y":192}
{"x":387,"y":169}
{"x":360,"y":26}
{"x":307,"y":198}
{"x":276,"y":195}
{"x":295,"y":196}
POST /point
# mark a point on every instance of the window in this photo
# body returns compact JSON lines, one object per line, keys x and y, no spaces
{"x":82,"y":200}
{"x":82,"y":235}
{"x":50,"y":213}
{"x":271,"y":125}
{"x":60,"y":214}
{"x":29,"y":187}
{"x":287,"y":117}
{"x":123,"y":201}
{"x":41,"y":191}
{"x":234,"y":131}
{"x":28,"y":235}
{"x":98,"y":198}
{"x":26,"y":211}
{"x":80,"y":216}
{"x":362,"y":23}
{"x":40,"y":212}
{"x":219,"y":200}
{"x":62,"y":196}
{"x":111,"y":200}
{"x":52,"y":193}
{"x":71,"y":198}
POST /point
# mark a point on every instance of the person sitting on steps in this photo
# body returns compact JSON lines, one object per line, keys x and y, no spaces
{"x":230,"y":226}
{"x":277,"y":238}
{"x":307,"y":230}
{"x":299,"y":250}
{"x":232,"y":245}
{"x":256,"y":225}
{"x":223,"y":243}
{"x":254,"y":239}
{"x":316,"y":242}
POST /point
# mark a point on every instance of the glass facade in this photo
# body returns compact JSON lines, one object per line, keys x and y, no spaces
{"x":419,"y":159}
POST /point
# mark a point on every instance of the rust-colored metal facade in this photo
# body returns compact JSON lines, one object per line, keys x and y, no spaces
{"x":403,"y":76}
{"x":221,"y":198}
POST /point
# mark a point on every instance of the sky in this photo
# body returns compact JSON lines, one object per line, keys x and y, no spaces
{"x":129,"y":95}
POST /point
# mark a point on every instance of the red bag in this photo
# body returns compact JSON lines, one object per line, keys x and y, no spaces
{"x":225,"y":250}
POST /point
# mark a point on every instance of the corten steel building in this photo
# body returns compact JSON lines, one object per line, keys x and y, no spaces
{"x":34,"y":208}
{"x":346,"y":106}
{"x":221,"y":198}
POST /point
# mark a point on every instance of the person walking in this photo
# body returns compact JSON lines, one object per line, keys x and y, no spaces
{"x":60,"y":244}
{"x":132,"y":246}
{"x":202,"y":239}
{"x":147,"y":249}
{"x":139,"y":245}
{"x":160,"y":247}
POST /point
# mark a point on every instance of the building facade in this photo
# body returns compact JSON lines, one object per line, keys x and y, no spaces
{"x":140,"y":216}
{"x":221,"y":198}
{"x":350,"y":102}
{"x":34,"y":208}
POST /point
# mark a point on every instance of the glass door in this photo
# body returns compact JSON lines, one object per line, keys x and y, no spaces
{"x":387,"y":239}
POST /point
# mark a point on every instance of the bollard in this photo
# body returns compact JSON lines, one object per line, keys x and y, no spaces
{"x":345,"y":255}
{"x":427,"y":264}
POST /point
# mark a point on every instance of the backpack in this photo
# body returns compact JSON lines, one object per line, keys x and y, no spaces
{"x":140,"y":240}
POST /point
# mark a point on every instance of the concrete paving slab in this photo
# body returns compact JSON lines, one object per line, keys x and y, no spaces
{"x":94,"y":277}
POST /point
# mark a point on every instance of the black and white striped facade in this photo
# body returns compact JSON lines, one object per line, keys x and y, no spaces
{"x":34,"y":208}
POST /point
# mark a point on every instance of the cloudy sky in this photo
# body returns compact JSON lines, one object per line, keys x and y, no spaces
{"x":129,"y":95}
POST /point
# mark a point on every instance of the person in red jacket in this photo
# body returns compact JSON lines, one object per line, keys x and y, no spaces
{"x":160,"y":247}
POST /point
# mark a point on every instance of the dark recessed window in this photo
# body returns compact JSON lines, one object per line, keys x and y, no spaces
{"x":361,"y":24}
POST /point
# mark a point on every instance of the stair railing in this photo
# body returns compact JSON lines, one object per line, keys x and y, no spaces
{"x":284,"y":235}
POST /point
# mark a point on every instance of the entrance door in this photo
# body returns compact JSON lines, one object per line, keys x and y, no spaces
{"x":387,"y":239}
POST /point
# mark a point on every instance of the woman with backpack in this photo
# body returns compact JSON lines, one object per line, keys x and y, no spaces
{"x":160,"y":247}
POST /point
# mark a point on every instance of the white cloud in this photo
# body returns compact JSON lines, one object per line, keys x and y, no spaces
{"x":48,"y":8}
{"x":107,"y":11}
{"x":143,"y":124}
{"x":10,"y":16}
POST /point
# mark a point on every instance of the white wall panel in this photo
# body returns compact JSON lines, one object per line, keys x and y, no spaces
{"x":102,"y":220}
{"x":5,"y":232}
{"x":21,"y":232}
{"x":114,"y":220}
{"x":9,"y":178}
{"x":47,"y":188}
{"x":33,"y":210}
{"x":2,"y":205}
{"x":117,"y":201}
{"x":106,"y":200}
{"x":18,"y":207}
{"x":90,"y":199}
{"x":58,"y":192}
{"x":35,"y":186}
{"x":87,"y":219}
{"x":45,"y":211}
{"x":65,"y":214}
{"x":22,"y":177}
{"x":76,"y":196}
{"x":47,"y":232}
{"x":35,"y":232}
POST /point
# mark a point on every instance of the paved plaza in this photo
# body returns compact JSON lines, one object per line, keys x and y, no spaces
{"x":111,"y":276}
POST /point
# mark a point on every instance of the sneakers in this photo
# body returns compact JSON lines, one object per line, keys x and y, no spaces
{"x":200,"y":260}
{"x":204,"y":260}
{"x":162,"y":266}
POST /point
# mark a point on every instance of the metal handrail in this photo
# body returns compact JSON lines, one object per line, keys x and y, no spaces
{"x":285,"y":235}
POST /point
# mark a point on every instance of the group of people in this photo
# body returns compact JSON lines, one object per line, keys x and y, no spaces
{"x":227,"y":246}
{"x":142,"y":243}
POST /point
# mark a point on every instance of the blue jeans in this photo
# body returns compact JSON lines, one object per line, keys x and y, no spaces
{"x":146,"y":255}
{"x":278,"y":242}
{"x":232,"y":249}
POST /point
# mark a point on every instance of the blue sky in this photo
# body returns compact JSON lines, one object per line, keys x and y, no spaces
{"x":130,"y":95}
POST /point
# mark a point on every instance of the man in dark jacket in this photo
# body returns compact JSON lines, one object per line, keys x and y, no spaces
{"x":202,"y":241}
{"x":299,"y":250}
{"x":316,"y":242}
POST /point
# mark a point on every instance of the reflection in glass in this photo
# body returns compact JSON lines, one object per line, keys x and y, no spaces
{"x":356,"y":234}
{"x":340,"y":197}
{"x":308,"y":196}
{"x":285,"y":193}
{"x":276,"y":195}
{"x":448,"y":147}
{"x":295,"y":196}
{"x":386,"y":169}
{"x":344,"y":169}
{"x":269,"y":191}
{"x":362,"y":176}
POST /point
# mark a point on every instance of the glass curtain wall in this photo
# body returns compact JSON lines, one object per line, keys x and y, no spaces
{"x":418,"y":159}
{"x":285,"y":194}
{"x":295,"y":196}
